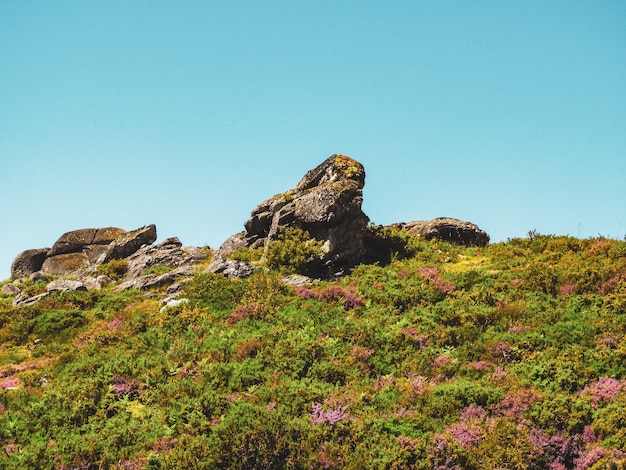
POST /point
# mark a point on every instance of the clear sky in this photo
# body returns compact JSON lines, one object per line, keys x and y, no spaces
{"x":509,"y":114}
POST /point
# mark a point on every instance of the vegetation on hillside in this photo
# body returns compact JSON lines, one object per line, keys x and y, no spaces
{"x":510,"y":356}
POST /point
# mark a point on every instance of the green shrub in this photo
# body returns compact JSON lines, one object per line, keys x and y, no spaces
{"x":293,"y":249}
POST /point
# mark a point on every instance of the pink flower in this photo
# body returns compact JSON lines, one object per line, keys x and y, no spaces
{"x":116,"y":323}
{"x":442,"y":360}
{"x":330,"y":417}
{"x":10,"y":382}
{"x":605,"y":389}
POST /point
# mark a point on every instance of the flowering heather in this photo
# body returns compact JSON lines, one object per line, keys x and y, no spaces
{"x":517,"y":402}
{"x":347,"y":296}
{"x":419,"y":339}
{"x":305,"y":293}
{"x":499,"y":374}
{"x":252,"y":309}
{"x":480,"y":366}
{"x":332,"y":416}
{"x":436,"y":281}
{"x":516,"y":282}
{"x":518,"y":328}
{"x":360,"y":353}
{"x":10,"y":382}
{"x":123,"y":385}
{"x":383,"y":382}
{"x":163,"y":444}
{"x":442,"y":360}
{"x":567,"y":289}
{"x":420,"y":385}
{"x":605,"y":389}
{"x":115,"y":324}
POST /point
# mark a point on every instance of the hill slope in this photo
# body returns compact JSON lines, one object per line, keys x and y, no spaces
{"x":508,"y":356}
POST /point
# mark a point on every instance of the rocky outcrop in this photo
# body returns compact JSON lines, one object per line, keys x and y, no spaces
{"x":128,"y":243}
{"x":28,"y":262}
{"x":80,"y":240}
{"x":327,"y":204}
{"x":451,"y":230}
{"x":80,"y":249}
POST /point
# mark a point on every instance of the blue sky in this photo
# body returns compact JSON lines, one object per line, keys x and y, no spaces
{"x":511,"y":114}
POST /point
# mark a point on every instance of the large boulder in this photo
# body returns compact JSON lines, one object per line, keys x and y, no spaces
{"x":128,"y":243}
{"x":451,"y":230}
{"x":77,"y":240}
{"x":28,"y":262}
{"x":168,"y":253}
{"x":65,"y":263}
{"x":327,"y":204}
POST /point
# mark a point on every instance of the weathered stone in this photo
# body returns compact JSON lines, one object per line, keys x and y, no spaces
{"x":22,"y":300}
{"x":76,"y":240}
{"x":296,"y":280}
{"x":167,"y":253}
{"x":152,"y":280}
{"x":11,"y":289}
{"x":129,"y":243}
{"x":231,"y":268}
{"x":39,"y":276}
{"x":65,"y":285}
{"x":197,"y":253}
{"x":66,"y":263}
{"x":96,"y":283}
{"x":28,"y":262}
{"x":326,"y":203}
{"x":447,"y":229}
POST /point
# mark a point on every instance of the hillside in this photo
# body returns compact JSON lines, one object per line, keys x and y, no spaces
{"x":511,"y":355}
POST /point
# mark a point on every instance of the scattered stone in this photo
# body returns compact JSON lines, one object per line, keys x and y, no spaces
{"x":167,"y":253}
{"x":297,"y":280}
{"x":231,"y":268}
{"x":96,"y":283}
{"x":22,"y":300}
{"x":40,"y":276}
{"x":11,"y":289}
{"x":153,"y":280}
{"x":28,"y":262}
{"x":447,"y":229}
{"x":63,"y":285}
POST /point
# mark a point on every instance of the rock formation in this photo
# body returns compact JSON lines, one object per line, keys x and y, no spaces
{"x":326,"y":203}
{"x":79,"y":252}
{"x":451,"y":230}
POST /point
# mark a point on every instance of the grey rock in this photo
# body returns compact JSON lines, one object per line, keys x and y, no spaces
{"x":11,"y":289}
{"x":167,"y":253}
{"x":231,"y":268}
{"x":39,"y":276}
{"x":76,"y":240}
{"x":22,"y":300}
{"x":129,"y":243}
{"x":326,"y":203}
{"x":96,"y":283}
{"x":65,"y":263}
{"x":297,"y":280}
{"x":153,"y":280}
{"x":28,"y":262}
{"x":65,"y":285}
{"x":448,"y":229}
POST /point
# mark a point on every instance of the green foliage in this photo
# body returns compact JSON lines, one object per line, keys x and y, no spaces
{"x":115,"y":269}
{"x":292,"y":250}
{"x":511,"y":356}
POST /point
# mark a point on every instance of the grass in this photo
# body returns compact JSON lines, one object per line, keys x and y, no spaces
{"x":508,"y":356}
